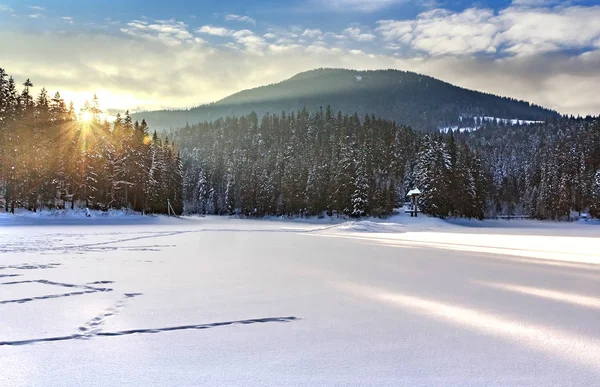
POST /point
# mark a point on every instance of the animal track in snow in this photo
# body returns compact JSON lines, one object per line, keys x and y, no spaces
{"x":95,"y":325}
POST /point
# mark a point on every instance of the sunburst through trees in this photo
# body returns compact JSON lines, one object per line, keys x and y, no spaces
{"x":53,"y":157}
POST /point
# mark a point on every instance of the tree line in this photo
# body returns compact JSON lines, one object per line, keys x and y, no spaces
{"x":51,"y":157}
{"x":324,"y":163}
{"x":299,"y":163}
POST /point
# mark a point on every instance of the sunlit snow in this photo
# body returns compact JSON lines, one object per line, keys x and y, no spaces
{"x":153,"y":301}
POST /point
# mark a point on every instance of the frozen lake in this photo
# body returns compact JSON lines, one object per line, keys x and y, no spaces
{"x":217,"y":301}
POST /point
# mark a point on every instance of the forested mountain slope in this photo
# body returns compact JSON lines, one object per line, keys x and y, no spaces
{"x":415,"y":100}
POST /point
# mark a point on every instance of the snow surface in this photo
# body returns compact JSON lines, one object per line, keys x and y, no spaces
{"x":512,"y":121}
{"x":497,"y":120}
{"x":151,"y":301}
{"x":456,"y":128}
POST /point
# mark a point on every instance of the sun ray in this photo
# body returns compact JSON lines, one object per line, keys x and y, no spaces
{"x":86,"y":117}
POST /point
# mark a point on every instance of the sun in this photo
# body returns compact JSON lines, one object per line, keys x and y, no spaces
{"x":87,"y":117}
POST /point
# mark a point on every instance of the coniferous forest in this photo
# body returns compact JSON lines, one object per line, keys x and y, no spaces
{"x":312,"y":164}
{"x":52,"y":157}
{"x":542,"y":170}
{"x":301,"y":163}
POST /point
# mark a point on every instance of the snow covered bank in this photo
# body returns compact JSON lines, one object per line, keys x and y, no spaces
{"x":557,"y":241}
{"x":77,"y":217}
{"x":399,"y":223}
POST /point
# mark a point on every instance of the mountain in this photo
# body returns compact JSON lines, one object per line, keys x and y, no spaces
{"x":420,"y":101}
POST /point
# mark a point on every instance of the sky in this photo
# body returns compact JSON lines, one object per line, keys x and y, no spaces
{"x":146,"y":55}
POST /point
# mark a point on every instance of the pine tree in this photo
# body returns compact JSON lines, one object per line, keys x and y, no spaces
{"x":359,"y":198}
{"x":432,"y":172}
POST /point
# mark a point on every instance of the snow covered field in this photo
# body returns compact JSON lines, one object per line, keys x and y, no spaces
{"x":215,"y":301}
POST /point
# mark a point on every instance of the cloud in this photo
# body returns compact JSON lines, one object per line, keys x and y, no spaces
{"x":163,"y":64}
{"x":167,"y":32}
{"x":283,"y":34}
{"x":251,"y":42}
{"x":312,"y":34}
{"x":440,"y":32}
{"x":516,"y":30}
{"x":392,"y":46}
{"x":356,"y":34}
{"x":242,"y":33}
{"x":534,"y":3}
{"x":36,"y":16}
{"x":356,"y":5}
{"x":36,"y":8}
{"x":554,"y":80}
{"x":234,"y":17}
{"x":67,"y":19}
{"x":335,"y":36}
{"x":215,"y":31}
{"x":534,"y":30}
{"x":6,"y":8}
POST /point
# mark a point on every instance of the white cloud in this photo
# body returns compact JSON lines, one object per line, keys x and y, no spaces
{"x":440,"y":32}
{"x":312,"y":34}
{"x":251,"y":42}
{"x":216,"y":31}
{"x":67,"y":19}
{"x":282,"y":35}
{"x":356,"y":5}
{"x":335,"y":36}
{"x":168,"y":32}
{"x":534,"y":30}
{"x":240,"y":18}
{"x":36,"y":16}
{"x":36,"y":8}
{"x":356,"y":34}
{"x":514,"y":30}
{"x":534,"y":3}
{"x":6,"y":8}
{"x":285,"y":41}
{"x":242,"y":33}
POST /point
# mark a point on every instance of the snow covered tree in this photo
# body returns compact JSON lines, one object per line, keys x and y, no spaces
{"x":595,"y":204}
{"x":433,"y":167}
{"x":360,"y":195}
